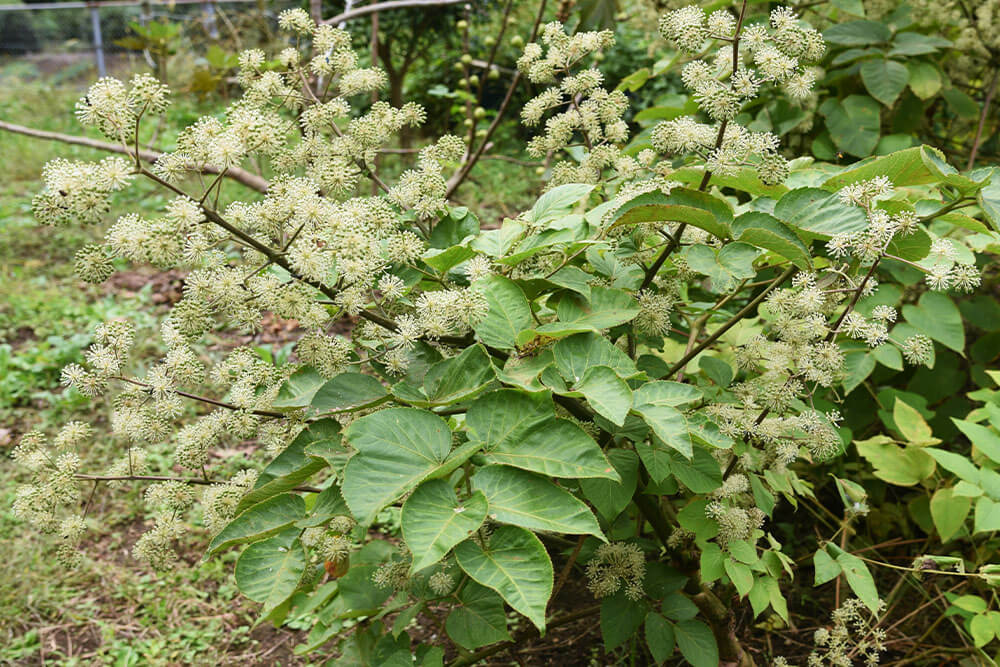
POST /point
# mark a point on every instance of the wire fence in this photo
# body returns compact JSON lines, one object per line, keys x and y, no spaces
{"x":75,"y":30}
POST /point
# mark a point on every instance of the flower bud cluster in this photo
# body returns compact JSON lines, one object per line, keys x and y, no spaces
{"x":615,"y":566}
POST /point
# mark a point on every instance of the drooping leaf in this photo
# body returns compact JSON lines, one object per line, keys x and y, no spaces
{"x":348,"y":392}
{"x":698,"y":209}
{"x":396,"y":450}
{"x":620,"y":618}
{"x":606,"y":308}
{"x":667,"y":423}
{"x":558,"y":448}
{"x":509,"y":313}
{"x":260,"y":521}
{"x":269,"y":572}
{"x":697,"y":643}
{"x":937,"y":316}
{"x":884,"y":79}
{"x":479,"y":620}
{"x":607,"y":394}
{"x":949,"y":512}
{"x":434,"y":520}
{"x":528,"y":500}
{"x":766,"y":231}
{"x":819,"y":212}
{"x":515,"y":565}
{"x":858,"y":577}
{"x":575,"y":354}
{"x":610,"y":497}
{"x":659,"y":637}
{"x":725,"y":267}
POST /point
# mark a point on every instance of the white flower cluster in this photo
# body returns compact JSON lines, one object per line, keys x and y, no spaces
{"x":776,"y":53}
{"x":581,"y":112}
{"x":854,"y":635}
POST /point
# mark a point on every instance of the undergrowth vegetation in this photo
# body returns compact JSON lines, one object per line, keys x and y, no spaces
{"x":696,"y":358}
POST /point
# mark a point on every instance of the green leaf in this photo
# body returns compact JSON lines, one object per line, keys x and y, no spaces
{"x":524,"y":499}
{"x":294,"y":465}
{"x":826,"y":568}
{"x":504,"y":417}
{"x":937,"y":316}
{"x":260,"y":521}
{"x":949,"y":512}
{"x":988,"y":199}
{"x":459,"y":378}
{"x":434,"y":520}
{"x":981,"y":629}
{"x":668,"y":424}
{"x":509,"y":312}
{"x":480,"y":620}
{"x":740,"y":575}
{"x":956,"y":464}
{"x":911,"y":425}
{"x":607,"y":394}
{"x":819,"y":212}
{"x":659,"y":637}
{"x":701,"y":474}
{"x":855,"y":7}
{"x":348,"y":392}
{"x":766,"y":231}
{"x":903,"y":168}
{"x":858,"y":577}
{"x":725,"y":267}
{"x":854,"y":123}
{"x":575,"y":354}
{"x":902,"y":466}
{"x":917,"y":44}
{"x":269,"y":572}
{"x":666,"y":392}
{"x":498,"y":242}
{"x":620,"y":618}
{"x":608,"y":497}
{"x":961,"y":103}
{"x":925,"y":80}
{"x":557,"y":201}
{"x":557,"y":448}
{"x":329,"y":503}
{"x":857,"y":33}
{"x":697,"y":643}
{"x":606,"y":308}
{"x":454,"y":228}
{"x":515,"y":565}
{"x":281,"y":485}
{"x":987,"y":517}
{"x":698,"y":209}
{"x":298,"y":390}
{"x":985,"y":440}
{"x":884,"y":79}
{"x":396,"y":450}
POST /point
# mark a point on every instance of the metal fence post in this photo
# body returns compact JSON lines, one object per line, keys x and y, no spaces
{"x":95,"y":24}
